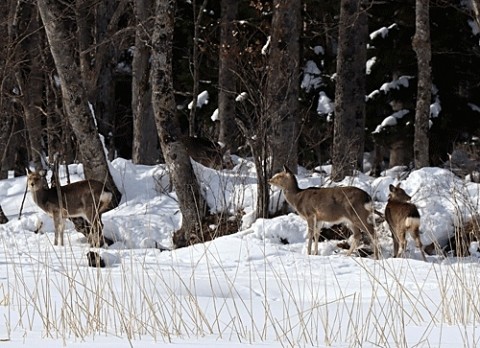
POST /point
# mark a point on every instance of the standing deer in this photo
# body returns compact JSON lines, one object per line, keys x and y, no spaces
{"x":402,"y":216}
{"x":86,"y":199}
{"x":349,"y":205}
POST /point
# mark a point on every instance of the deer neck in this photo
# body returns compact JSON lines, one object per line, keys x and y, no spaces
{"x":40,"y":196}
{"x":291,"y":191}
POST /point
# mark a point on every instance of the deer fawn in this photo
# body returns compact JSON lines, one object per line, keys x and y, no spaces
{"x":402,"y":216}
{"x":86,"y":199}
{"x":349,"y":205}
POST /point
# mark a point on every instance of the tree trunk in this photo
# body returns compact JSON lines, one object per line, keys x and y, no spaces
{"x":228,"y":54}
{"x":145,"y":136}
{"x":192,"y":204}
{"x":29,"y":75}
{"x":283,"y":83}
{"x":197,"y":16}
{"x":421,"y":46}
{"x":97,"y":22}
{"x":476,"y":10}
{"x":75,"y":101}
{"x":349,"y":123}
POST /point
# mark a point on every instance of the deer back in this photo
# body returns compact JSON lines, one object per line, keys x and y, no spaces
{"x":331,"y":204}
{"x":399,"y":208}
{"x":80,"y":198}
{"x":207,"y":152}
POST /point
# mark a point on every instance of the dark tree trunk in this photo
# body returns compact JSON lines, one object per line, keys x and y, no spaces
{"x":28,"y":72}
{"x":97,"y":22}
{"x":197,"y":16}
{"x":228,"y":55}
{"x":192,"y":204}
{"x":283,"y":82}
{"x":349,"y":124}
{"x":421,"y":46}
{"x":145,"y":136}
{"x":75,"y":101}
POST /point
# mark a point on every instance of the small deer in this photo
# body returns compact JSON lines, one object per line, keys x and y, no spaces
{"x":86,"y":199}
{"x":348,"y":205}
{"x":402,"y":216}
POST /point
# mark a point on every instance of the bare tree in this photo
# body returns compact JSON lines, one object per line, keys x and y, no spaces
{"x":97,"y":32}
{"x":24,"y":34}
{"x":283,"y":82}
{"x":192,"y":204}
{"x":145,"y":136}
{"x":62,"y":47}
{"x":226,"y":75}
{"x":349,"y":123}
{"x":197,"y":15}
{"x":422,"y":48}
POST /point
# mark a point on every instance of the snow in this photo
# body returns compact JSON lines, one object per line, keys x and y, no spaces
{"x":382,"y":32}
{"x":391,"y":120}
{"x":202,"y":99}
{"x":266,"y":46}
{"x":474,"y":107}
{"x":311,"y":76}
{"x":325,"y":105}
{"x":215,"y":116}
{"x":402,"y":81}
{"x":241,"y":97}
{"x":370,"y":63}
{"x":249,"y":288}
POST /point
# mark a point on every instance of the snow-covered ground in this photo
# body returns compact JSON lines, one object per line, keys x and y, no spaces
{"x":238,"y":290}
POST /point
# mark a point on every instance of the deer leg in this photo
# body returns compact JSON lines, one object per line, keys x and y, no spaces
{"x":395,"y":243}
{"x":403,"y":242}
{"x":59,"y":223}
{"x":373,"y":238}
{"x":316,"y":235}
{"x":357,"y":236}
{"x":416,"y":237}
{"x":310,"y":231}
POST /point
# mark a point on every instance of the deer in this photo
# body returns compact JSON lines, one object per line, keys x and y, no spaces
{"x":344,"y":204}
{"x":87,"y":199}
{"x":402,"y":216}
{"x":207,"y":152}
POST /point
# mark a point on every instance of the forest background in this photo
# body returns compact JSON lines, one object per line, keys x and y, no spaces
{"x":285,"y":82}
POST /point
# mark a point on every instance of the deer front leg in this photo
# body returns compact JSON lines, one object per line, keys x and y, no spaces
{"x":316,"y":235}
{"x":59,"y":223}
{"x":310,"y":231}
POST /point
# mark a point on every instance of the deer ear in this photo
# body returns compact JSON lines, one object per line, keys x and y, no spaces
{"x":391,"y":188}
{"x":42,"y":172}
{"x":286,"y":169}
{"x":27,"y":170}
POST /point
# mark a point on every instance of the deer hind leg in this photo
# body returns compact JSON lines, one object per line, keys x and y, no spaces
{"x":402,"y":242}
{"x":357,"y":236}
{"x":395,"y":242}
{"x":415,"y":233}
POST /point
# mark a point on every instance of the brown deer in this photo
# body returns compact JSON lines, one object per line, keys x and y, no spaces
{"x":207,"y":152}
{"x":348,"y":205}
{"x":87,"y":199}
{"x":402,"y":216}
